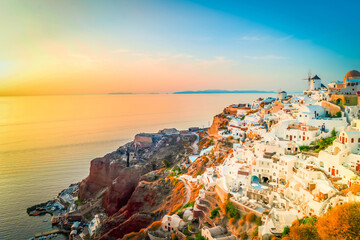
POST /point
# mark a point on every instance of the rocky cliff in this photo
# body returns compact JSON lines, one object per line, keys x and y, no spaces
{"x":219,"y":123}
{"x":148,"y":203}
{"x":131,"y":192}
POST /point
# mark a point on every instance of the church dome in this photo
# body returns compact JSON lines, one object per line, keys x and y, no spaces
{"x":352,"y":74}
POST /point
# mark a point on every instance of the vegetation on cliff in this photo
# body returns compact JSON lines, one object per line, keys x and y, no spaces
{"x":341,"y":222}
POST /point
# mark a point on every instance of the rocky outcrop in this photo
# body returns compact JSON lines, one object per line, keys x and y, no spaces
{"x":122,"y":187}
{"x":133,"y":224}
{"x":111,"y":172}
{"x":219,"y":122}
{"x":149,"y":202}
{"x":102,"y":173}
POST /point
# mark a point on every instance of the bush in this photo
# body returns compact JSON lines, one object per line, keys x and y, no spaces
{"x":214,"y":213}
{"x":333,"y":133}
{"x":251,"y":217}
{"x":286,"y":231}
{"x":199,"y":236}
{"x":155,"y":225}
{"x":166,"y":163}
{"x":255,"y":233}
{"x":304,"y":148}
{"x":231,"y":210}
{"x":341,"y":222}
{"x":241,"y":222}
{"x":186,"y":232}
{"x":189,"y":204}
{"x":232,"y":221}
{"x":258,"y":221}
{"x":244,"y":236}
{"x":174,"y":237}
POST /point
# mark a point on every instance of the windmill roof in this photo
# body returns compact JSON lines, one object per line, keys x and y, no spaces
{"x":316,"y":77}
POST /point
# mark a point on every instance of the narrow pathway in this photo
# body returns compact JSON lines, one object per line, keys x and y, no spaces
{"x":188,"y":190}
{"x":195,"y":146}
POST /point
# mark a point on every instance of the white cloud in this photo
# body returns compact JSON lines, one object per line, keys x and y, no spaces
{"x":183,"y":56}
{"x":250,"y":38}
{"x":266,"y":57}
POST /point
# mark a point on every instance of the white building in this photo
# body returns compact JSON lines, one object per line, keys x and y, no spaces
{"x":172,"y":223}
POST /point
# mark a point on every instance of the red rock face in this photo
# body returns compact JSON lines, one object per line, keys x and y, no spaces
{"x":102,"y":174}
{"x":133,"y":224}
{"x":121,"y":188}
{"x":148,"y":203}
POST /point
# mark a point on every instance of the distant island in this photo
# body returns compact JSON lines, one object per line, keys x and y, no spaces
{"x":211,"y":91}
{"x":217,"y":91}
{"x":128,"y":93}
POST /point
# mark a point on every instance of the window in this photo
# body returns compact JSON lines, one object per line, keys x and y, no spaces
{"x":358,"y":140}
{"x":352,"y":140}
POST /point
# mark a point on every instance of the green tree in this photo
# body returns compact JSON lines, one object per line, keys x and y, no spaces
{"x":286,"y":231}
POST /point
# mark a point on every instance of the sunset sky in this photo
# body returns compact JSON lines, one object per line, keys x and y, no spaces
{"x":84,"y":47}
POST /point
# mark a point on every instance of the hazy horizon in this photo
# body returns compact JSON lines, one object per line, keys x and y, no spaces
{"x":168,"y":46}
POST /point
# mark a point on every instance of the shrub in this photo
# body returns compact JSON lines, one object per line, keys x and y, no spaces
{"x":341,"y":222}
{"x":214,"y":213}
{"x":232,"y":221}
{"x":174,"y":237}
{"x":189,"y":204}
{"x":244,"y":236}
{"x":186,"y":232}
{"x":258,"y":221}
{"x":286,"y":231}
{"x":255,"y":233}
{"x":155,"y":225}
{"x":166,"y":163}
{"x":333,"y":133}
{"x":231,"y":210}
{"x":242,"y":222}
{"x":199,"y":236}
{"x":304,"y":148}
{"x":251,"y":217}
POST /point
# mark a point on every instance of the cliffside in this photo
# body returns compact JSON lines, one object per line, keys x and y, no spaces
{"x":219,"y":122}
{"x":134,"y":196}
{"x":148,"y":203}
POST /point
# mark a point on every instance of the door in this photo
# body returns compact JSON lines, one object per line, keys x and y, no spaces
{"x":290,"y":137}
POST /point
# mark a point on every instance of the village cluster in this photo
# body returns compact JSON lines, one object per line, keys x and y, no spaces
{"x":292,"y":157}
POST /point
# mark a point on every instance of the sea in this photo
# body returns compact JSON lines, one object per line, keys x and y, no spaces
{"x":47,"y":142}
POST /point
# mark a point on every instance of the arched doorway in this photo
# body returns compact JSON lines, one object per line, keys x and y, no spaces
{"x":265,"y":179}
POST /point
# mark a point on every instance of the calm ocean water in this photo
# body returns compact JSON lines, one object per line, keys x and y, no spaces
{"x":47,"y":142}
